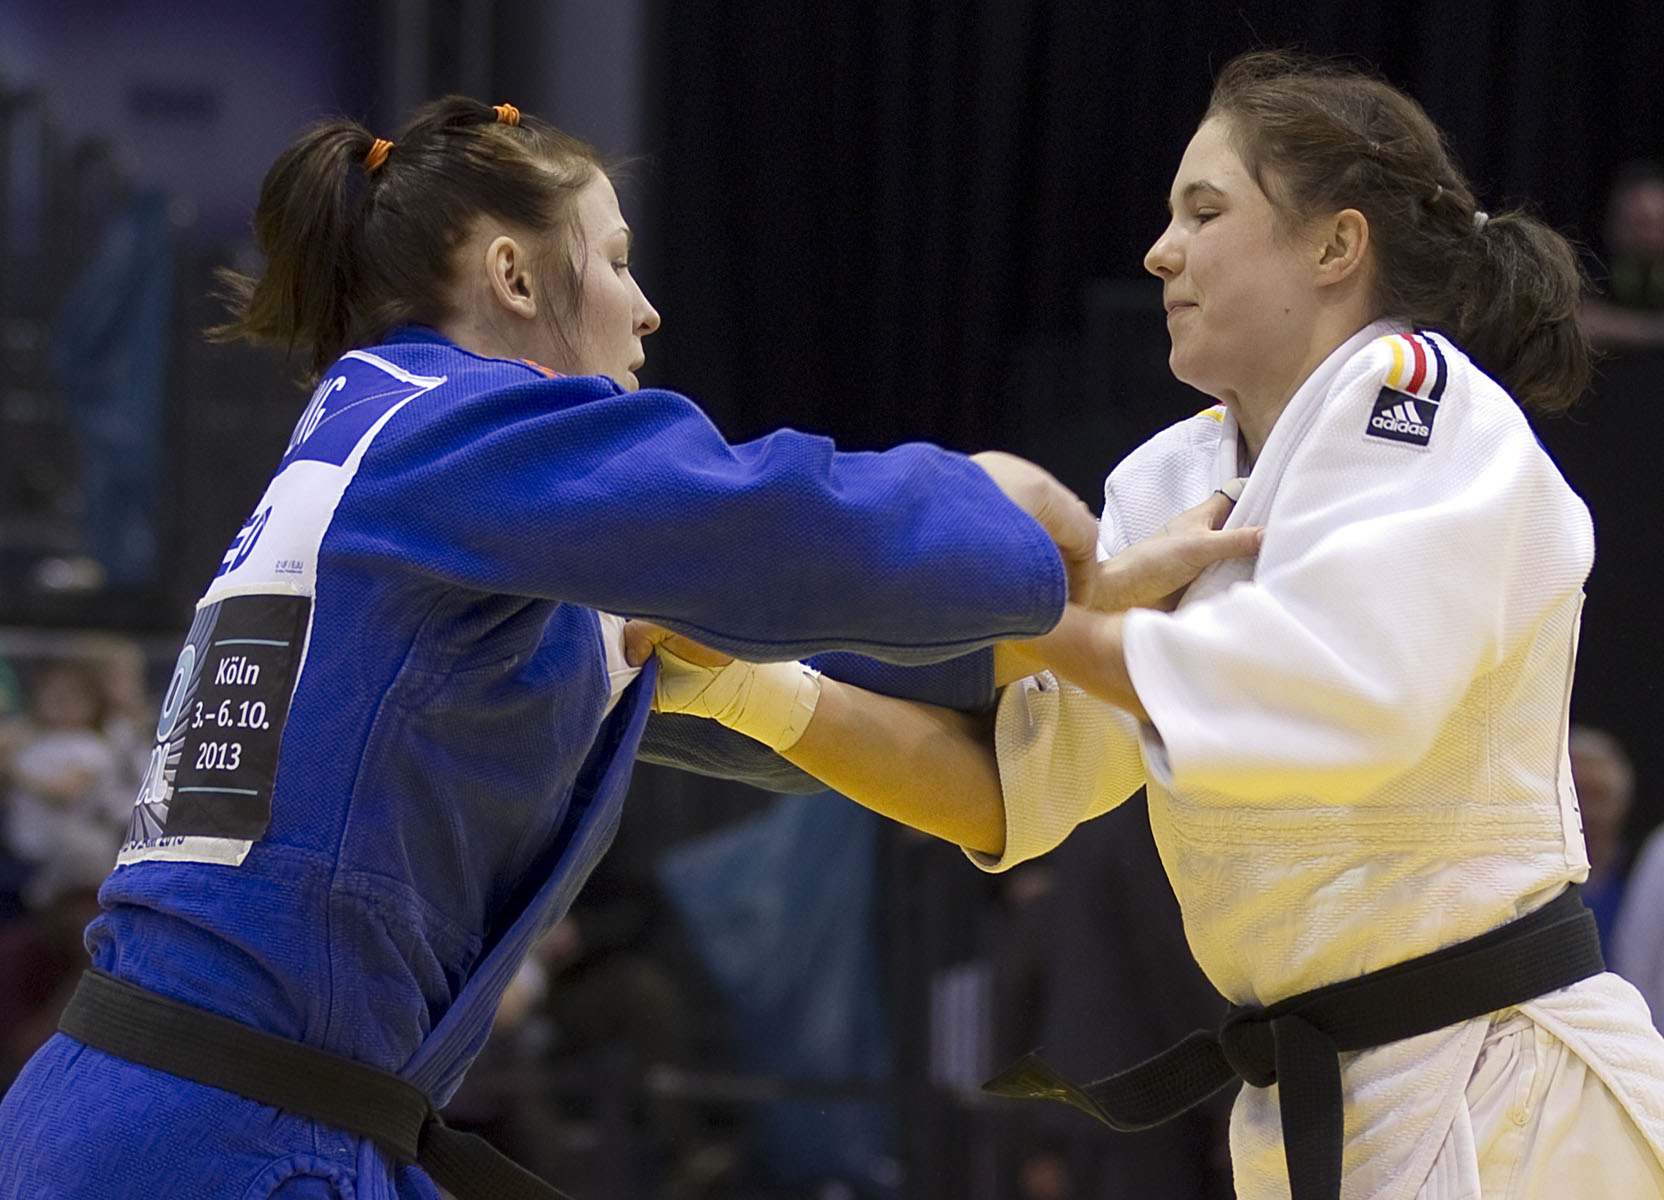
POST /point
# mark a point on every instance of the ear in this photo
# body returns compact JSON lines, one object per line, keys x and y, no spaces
{"x":1344,"y":240}
{"x":508,"y":271}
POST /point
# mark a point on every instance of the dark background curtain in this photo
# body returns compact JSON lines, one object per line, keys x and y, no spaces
{"x":886,"y":221}
{"x":864,"y":208}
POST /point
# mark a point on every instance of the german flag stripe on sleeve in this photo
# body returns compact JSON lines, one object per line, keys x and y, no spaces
{"x":1418,"y":367}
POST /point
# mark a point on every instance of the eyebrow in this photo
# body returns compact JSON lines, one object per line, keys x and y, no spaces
{"x":1194,"y":186}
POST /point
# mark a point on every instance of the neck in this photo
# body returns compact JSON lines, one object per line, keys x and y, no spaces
{"x":1258,"y":405}
{"x":478,"y":336}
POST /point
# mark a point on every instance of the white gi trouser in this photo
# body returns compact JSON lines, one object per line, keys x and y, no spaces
{"x":1539,"y":1124}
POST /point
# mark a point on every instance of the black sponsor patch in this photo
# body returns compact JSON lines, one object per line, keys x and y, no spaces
{"x":222,"y":718}
{"x":1401,"y":417}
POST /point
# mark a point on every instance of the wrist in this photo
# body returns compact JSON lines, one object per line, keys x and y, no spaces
{"x":779,"y":704}
{"x":768,"y":702}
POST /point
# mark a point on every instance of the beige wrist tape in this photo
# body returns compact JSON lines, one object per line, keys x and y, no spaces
{"x":769,"y":702}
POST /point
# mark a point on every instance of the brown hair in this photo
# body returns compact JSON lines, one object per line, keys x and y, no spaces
{"x":1320,"y":136}
{"x":84,"y":675}
{"x":353,"y":251}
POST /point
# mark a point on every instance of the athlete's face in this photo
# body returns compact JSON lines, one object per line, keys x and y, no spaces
{"x":1236,"y":285}
{"x":612,"y":314}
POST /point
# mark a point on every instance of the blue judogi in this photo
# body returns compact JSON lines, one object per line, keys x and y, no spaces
{"x":390,"y":755}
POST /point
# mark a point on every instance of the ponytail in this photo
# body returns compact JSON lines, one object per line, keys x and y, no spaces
{"x":359,"y":233}
{"x":303,"y":228}
{"x":1520,"y":288}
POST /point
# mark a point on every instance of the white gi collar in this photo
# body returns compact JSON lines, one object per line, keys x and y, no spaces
{"x":1288,"y":431}
{"x":1254,"y":505}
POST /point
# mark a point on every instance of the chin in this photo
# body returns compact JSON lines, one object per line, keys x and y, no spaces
{"x":1181,"y":369}
{"x":1189,"y":374}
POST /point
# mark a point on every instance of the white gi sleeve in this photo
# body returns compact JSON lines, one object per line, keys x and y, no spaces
{"x":1390,"y":578}
{"x":1064,"y":758}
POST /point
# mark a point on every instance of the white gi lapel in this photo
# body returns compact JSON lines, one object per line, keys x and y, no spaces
{"x":1287,"y":435}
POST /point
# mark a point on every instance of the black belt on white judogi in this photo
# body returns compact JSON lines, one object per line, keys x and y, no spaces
{"x":1296,"y":1043}
{"x":134,"y":1023}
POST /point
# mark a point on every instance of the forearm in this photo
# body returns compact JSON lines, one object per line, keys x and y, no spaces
{"x":1089,"y":650}
{"x":927,"y":767}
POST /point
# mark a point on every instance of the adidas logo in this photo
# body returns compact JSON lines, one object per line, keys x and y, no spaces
{"x":1401,"y":418}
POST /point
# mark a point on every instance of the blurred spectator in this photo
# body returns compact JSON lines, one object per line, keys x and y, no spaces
{"x":13,"y":726}
{"x":1023,"y":955}
{"x":63,"y":816}
{"x":1630,"y":313}
{"x":589,"y":1017}
{"x":1605,"y":783}
{"x":609,"y":985}
{"x":781,"y":909}
{"x":1637,"y":946}
{"x":129,"y":708}
{"x":66,"y":812}
{"x":41,"y":956}
{"x":110,"y":352}
{"x":11,"y":696}
{"x":1121,"y":985}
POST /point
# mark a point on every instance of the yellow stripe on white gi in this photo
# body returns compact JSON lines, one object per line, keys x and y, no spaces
{"x":1395,"y":377}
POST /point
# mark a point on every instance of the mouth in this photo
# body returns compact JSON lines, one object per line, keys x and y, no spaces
{"x":1173,"y":306}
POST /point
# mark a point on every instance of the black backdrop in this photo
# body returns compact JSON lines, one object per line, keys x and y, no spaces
{"x":890,"y":220}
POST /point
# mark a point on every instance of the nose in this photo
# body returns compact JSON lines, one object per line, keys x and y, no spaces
{"x":647,"y":317}
{"x":1163,"y":258}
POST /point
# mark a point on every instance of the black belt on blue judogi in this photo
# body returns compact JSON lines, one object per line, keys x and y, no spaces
{"x":134,"y":1023}
{"x":1296,"y":1043}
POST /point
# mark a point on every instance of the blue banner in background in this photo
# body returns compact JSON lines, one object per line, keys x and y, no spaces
{"x":782,"y":910}
{"x":110,"y":351}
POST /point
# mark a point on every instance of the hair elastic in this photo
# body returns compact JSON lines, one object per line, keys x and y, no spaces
{"x":377,"y":154}
{"x":507,"y":114}
{"x":1480,"y":216}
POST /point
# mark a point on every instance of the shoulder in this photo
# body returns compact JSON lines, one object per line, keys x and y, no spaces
{"x":463,"y":374}
{"x":1411,"y":415}
{"x":1183,"y":449}
{"x":460,"y":395}
{"x":489,"y":422}
{"x":1418,"y":389}
{"x":1180,"y":441}
{"x":1163,"y":476}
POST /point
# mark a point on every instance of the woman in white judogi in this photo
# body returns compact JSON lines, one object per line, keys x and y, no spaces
{"x":1355,"y":744}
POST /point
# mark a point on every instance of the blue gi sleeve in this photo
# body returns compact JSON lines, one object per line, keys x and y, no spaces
{"x":773,"y":549}
{"x":706,"y":748}
{"x":965,"y":682}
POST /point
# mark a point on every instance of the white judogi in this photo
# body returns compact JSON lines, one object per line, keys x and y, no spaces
{"x":1356,"y":748}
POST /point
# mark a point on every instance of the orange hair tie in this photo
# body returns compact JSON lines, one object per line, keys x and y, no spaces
{"x":377,"y":154}
{"x":507,"y":114}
